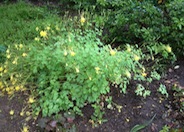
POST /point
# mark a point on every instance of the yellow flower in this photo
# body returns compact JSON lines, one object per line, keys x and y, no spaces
{"x":7,"y":51}
{"x":16,"y":46}
{"x":77,"y":70}
{"x":14,"y":62}
{"x":7,"y":89}
{"x":17,"y":88}
{"x":21,"y":113}
{"x":31,"y":100}
{"x":37,"y":39}
{"x":144,"y":74}
{"x":24,"y":54}
{"x":143,"y":69}
{"x":72,"y":53}
{"x":128,"y":49}
{"x":168,"y":48}
{"x":127,"y":73}
{"x":65,"y":53}
{"x":43,"y":34}
{"x":1,"y":85}
{"x":97,"y":69}
{"x":1,"y":69}
{"x":112,"y":52}
{"x":160,"y":1}
{"x":20,"y":46}
{"x":37,"y":28}
{"x":48,"y":28}
{"x":136,"y":58}
{"x":8,"y":56}
{"x":25,"y":129}
{"x":89,"y":78}
{"x":82,"y":20}
{"x":28,"y":113}
{"x":11,"y":112}
{"x":5,"y":71}
{"x":10,"y":92}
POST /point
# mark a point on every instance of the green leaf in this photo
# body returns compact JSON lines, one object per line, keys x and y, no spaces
{"x":136,"y":128}
{"x":2,"y":48}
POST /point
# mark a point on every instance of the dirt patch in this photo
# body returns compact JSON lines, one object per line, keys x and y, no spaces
{"x":14,"y":122}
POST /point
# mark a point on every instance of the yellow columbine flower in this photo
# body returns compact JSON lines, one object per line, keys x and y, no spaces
{"x":37,"y":39}
{"x":7,"y":51}
{"x":25,"y":129}
{"x":14,"y":62}
{"x":24,"y":54}
{"x":168,"y":48}
{"x":72,"y":53}
{"x":11,"y":112}
{"x":37,"y":28}
{"x":10,"y":92}
{"x":1,"y":85}
{"x":112,"y":52}
{"x":28,"y":113}
{"x":43,"y":34}
{"x":8,"y":56}
{"x":5,"y":71}
{"x":128,"y":49}
{"x":144,"y":74}
{"x":17,"y":88}
{"x":16,"y":46}
{"x":20,"y":46}
{"x":48,"y":28}
{"x":127,"y":73}
{"x":136,"y":58}
{"x":1,"y":69}
{"x":97,"y":69}
{"x":31,"y":100}
{"x":21,"y":113}
{"x":82,"y":20}
{"x":77,"y":70}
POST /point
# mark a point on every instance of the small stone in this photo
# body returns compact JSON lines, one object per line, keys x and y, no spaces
{"x":170,"y":70}
{"x":177,"y":67}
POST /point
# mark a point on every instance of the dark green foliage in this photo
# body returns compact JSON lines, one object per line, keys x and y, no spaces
{"x":174,"y":30}
{"x":2,"y":53}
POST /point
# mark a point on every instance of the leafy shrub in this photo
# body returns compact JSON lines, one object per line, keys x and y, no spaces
{"x":75,"y":71}
{"x":174,"y":29}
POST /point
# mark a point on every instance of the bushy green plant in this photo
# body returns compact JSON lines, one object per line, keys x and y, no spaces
{"x":75,"y":71}
{"x":68,"y":68}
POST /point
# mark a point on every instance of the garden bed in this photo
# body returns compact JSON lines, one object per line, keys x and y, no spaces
{"x":135,"y":110}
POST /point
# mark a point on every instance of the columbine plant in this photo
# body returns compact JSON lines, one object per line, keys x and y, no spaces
{"x":77,"y":70}
{"x":68,"y":68}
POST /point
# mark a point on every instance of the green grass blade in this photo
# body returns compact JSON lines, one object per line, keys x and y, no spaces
{"x":136,"y":128}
